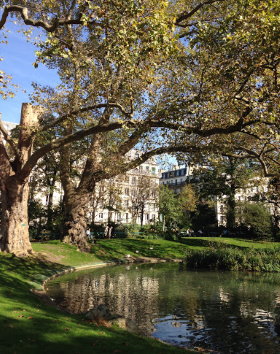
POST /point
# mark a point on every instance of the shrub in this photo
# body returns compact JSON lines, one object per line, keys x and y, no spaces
{"x":258,"y":219}
{"x":235,"y":259}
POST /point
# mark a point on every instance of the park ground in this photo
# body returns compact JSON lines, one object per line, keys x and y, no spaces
{"x":29,"y":324}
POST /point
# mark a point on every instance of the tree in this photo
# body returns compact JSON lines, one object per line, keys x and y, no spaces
{"x":257,"y":217}
{"x":188,"y":201}
{"x":169,"y":207}
{"x":142,"y":192}
{"x":124,"y":70}
{"x":223,"y":177}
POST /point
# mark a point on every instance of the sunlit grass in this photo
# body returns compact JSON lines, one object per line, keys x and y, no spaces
{"x":30,"y":326}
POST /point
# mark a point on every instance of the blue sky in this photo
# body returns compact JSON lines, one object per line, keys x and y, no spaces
{"x":18,"y":59}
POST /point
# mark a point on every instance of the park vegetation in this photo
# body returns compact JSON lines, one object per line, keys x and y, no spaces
{"x":165,"y":76}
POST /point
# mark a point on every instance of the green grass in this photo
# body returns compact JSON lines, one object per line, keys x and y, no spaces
{"x":30,"y":326}
{"x":112,"y":250}
{"x":203,"y":242}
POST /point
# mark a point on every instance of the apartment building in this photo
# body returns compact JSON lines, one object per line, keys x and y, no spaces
{"x":176,"y":178}
{"x":129,"y":198}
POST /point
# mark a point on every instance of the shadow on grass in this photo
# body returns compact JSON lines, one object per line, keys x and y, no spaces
{"x":31,"y":327}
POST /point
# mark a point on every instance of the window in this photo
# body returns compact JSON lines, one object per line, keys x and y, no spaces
{"x":126,"y":179}
{"x":101,"y":216}
{"x":126,"y":191}
{"x":133,"y":180}
{"x":154,"y":170}
{"x":147,"y":216}
{"x":126,"y":216}
{"x":133,"y":192}
{"x":147,"y":168}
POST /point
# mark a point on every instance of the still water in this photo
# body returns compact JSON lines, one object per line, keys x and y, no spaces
{"x":221,"y":312}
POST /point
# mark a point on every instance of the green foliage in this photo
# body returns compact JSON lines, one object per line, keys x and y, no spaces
{"x":204,"y":217}
{"x":265,"y":260}
{"x":257,"y":218}
{"x":169,"y":206}
{"x":39,"y":226}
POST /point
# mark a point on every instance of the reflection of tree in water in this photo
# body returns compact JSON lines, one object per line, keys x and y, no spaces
{"x":134,"y":297}
{"x":227,"y":312}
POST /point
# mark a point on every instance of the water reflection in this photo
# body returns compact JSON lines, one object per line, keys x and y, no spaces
{"x":224,"y":312}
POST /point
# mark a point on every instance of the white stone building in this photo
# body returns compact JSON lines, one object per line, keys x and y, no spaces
{"x":176,"y":178}
{"x":129,"y":198}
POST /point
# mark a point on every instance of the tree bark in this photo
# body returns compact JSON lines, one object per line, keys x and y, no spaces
{"x":76,"y":210}
{"x":14,"y":225}
{"x":14,"y":186}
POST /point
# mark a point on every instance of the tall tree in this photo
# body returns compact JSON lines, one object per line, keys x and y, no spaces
{"x":124,"y":69}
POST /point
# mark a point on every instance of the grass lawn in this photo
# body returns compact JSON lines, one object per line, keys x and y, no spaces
{"x":31,"y":326}
{"x":203,"y":242}
{"x":112,"y":250}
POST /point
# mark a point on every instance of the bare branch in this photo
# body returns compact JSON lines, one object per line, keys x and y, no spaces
{"x":57,"y":143}
{"x":49,"y":27}
{"x":188,"y":14}
{"x":8,"y":139}
{"x":83,"y":110}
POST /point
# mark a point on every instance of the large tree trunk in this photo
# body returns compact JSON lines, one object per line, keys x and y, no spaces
{"x":14,"y":185}
{"x":76,"y":210}
{"x":78,"y":199}
{"x":14,"y":225}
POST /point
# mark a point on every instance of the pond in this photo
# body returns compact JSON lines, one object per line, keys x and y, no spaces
{"x":223,"y":312}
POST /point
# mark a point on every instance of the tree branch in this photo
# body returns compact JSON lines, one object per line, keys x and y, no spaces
{"x":8,"y":139}
{"x":188,"y":14}
{"x":5,"y":164}
{"x":83,"y":110}
{"x":57,"y":143}
{"x":49,"y":27}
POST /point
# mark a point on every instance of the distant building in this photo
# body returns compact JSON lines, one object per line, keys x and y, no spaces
{"x":9,"y":125}
{"x":177,"y":178}
{"x":129,"y":198}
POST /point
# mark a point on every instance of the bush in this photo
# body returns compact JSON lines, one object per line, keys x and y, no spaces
{"x":235,"y":259}
{"x":258,"y":219}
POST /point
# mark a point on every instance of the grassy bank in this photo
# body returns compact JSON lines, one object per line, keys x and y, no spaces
{"x":113,"y":250}
{"x":31,"y":326}
{"x":217,"y":242}
{"x":263,"y":260}
{"x":232,"y":254}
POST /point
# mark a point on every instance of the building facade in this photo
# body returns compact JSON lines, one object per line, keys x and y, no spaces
{"x":128,"y":198}
{"x":176,"y":178}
